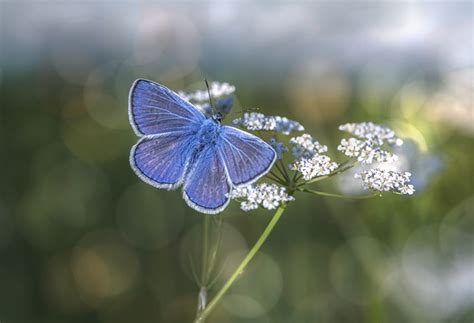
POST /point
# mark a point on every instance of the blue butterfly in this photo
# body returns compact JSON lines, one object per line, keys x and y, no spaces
{"x":178,"y":146}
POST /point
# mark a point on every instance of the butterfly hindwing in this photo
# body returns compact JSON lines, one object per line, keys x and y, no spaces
{"x":155,"y":110}
{"x":162,"y":161}
{"x":207,"y":185}
{"x":246,"y":157}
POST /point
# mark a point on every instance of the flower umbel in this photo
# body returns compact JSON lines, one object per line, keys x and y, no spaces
{"x":309,"y":160}
{"x":305,"y":146}
{"x":269,"y":196}
{"x":367,"y":146}
{"x":318,"y":165}
{"x":365,"y":151}
{"x":387,"y":181}
{"x":377,"y":134}
{"x":255,"y":121}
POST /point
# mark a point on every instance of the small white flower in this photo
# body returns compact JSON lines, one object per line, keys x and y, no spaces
{"x":279,"y":147}
{"x":376,"y":134}
{"x":269,"y":196}
{"x":216,"y":89}
{"x":383,"y":180}
{"x":367,"y":146}
{"x":318,"y":165}
{"x":365,"y":151}
{"x":306,"y":146}
{"x":255,"y":121}
{"x":309,"y":160}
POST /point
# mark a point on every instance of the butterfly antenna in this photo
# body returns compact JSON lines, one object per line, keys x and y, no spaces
{"x":210,"y":98}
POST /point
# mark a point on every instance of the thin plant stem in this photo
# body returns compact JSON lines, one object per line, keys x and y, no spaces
{"x":205,"y":250}
{"x":214,"y":249}
{"x":271,"y":175}
{"x":204,"y":266}
{"x":279,"y":181}
{"x":298,"y":177}
{"x":282,"y":171}
{"x":295,"y":175}
{"x":314,"y":180}
{"x":320,"y":178}
{"x":193,"y":270}
{"x":362,"y":197}
{"x":285,"y":172}
{"x":276,"y":176}
{"x":266,"y":233}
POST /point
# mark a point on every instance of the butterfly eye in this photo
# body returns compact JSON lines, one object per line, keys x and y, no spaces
{"x":217,"y":117}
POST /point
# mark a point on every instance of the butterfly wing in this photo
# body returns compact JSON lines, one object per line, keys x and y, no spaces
{"x":156,"y":110}
{"x":207,"y":184}
{"x":162,"y":160}
{"x":168,"y":125}
{"x":246,"y":157}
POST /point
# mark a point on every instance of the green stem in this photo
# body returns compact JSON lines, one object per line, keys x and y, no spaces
{"x":362,"y":197}
{"x":282,"y":171}
{"x":266,"y":233}
{"x":320,"y":178}
{"x":275,"y":178}
{"x":298,"y":177}
{"x":204,"y":266}
{"x":317,"y":179}
{"x":214,"y":249}
{"x":285,"y":172}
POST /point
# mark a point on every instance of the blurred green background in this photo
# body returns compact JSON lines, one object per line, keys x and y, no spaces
{"x":82,"y":239}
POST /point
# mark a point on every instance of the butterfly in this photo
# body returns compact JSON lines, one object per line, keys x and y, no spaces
{"x":180,"y":146}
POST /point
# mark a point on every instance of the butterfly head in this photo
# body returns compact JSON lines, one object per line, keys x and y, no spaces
{"x":217,"y":117}
{"x":219,"y":110}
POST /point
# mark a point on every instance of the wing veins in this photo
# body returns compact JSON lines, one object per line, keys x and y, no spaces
{"x":165,"y":112}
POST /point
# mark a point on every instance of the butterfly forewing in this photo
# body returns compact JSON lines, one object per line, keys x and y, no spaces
{"x":154,"y":109}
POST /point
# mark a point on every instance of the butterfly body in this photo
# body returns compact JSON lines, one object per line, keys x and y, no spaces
{"x":209,"y":132}
{"x":179,"y":146}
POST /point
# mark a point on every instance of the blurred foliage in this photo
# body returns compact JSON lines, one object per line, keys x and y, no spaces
{"x":83,"y":240}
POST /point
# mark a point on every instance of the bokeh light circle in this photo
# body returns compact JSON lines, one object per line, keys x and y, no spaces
{"x":99,"y":97}
{"x":246,"y":301}
{"x":104,"y":267}
{"x":145,"y":219}
{"x":360,"y":268}
{"x":63,"y":200}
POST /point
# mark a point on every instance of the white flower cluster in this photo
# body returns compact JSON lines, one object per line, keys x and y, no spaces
{"x":305,"y":146}
{"x":367,"y":147}
{"x":318,"y":165}
{"x":269,"y":196}
{"x":279,"y":147}
{"x":372,"y":132}
{"x":365,"y":151}
{"x":258,"y":121}
{"x":309,"y":158}
{"x":216,"y":89}
{"x":387,"y":180}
